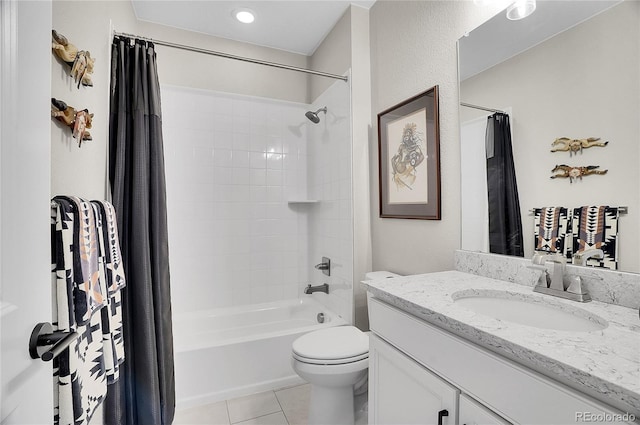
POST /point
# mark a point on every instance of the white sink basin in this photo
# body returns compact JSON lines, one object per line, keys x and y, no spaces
{"x":528,"y":310}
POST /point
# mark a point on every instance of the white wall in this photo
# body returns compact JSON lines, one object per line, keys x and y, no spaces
{"x":232,"y":162}
{"x":582,"y":83}
{"x":413,"y":47}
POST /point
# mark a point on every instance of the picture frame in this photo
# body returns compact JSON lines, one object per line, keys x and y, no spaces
{"x":409,"y":158}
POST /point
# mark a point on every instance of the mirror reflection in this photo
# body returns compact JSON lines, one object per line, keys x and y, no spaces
{"x":567,"y":85}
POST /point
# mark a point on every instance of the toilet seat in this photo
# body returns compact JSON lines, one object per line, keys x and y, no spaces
{"x":332,"y":346}
{"x":331,"y":361}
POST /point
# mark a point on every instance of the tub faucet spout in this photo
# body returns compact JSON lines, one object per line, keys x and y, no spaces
{"x":318,"y":288}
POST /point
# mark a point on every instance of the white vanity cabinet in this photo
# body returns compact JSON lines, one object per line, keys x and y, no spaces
{"x":402,"y":391}
{"x":415,"y":365}
{"x":473,"y":413}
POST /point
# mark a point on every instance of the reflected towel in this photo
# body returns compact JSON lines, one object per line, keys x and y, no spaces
{"x":551,"y":226}
{"x":596,"y":227}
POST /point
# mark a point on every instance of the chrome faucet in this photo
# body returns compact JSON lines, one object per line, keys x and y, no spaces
{"x":559,"y":266}
{"x":554,"y":284}
{"x":580,"y":258}
{"x":318,"y":288}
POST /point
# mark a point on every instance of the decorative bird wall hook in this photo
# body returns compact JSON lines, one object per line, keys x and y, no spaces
{"x":80,"y":61}
{"x":78,"y":121}
{"x":565,"y":144}
{"x":576,"y":172}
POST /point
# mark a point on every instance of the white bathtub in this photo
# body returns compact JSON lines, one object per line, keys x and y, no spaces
{"x":231,"y":352}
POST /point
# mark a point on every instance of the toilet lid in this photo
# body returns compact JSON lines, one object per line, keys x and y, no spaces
{"x":335,"y":343}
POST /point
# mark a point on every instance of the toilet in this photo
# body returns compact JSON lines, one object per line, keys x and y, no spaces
{"x":333,"y":361}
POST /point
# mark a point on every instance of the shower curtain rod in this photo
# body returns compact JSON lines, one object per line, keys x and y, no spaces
{"x":482,"y":108}
{"x":229,"y":56}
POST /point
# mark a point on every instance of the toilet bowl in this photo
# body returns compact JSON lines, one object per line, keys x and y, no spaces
{"x":332,"y":360}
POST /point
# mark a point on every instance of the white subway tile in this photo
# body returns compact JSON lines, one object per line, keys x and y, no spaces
{"x":258,"y":160}
{"x":241,"y":141}
{"x":258,"y":143}
{"x":274,"y":178}
{"x":222,"y":158}
{"x":274,"y":194}
{"x":257,"y":242}
{"x":223,"y":123}
{"x":242,"y":108}
{"x":240,"y":159}
{"x":258,"y":194}
{"x":241,"y":176}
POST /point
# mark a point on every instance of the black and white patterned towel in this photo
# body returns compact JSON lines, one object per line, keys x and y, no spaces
{"x":87,"y":277}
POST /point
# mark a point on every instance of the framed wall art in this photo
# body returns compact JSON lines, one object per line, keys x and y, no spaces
{"x":409,"y":158}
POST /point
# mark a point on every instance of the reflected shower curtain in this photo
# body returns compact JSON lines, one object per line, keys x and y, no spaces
{"x":505,"y":223}
{"x":145,"y":393}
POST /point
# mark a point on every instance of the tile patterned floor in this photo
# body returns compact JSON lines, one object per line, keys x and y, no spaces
{"x":288,"y":406}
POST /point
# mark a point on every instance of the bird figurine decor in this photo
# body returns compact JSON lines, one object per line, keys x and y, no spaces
{"x":574,"y":173}
{"x":79,"y":121}
{"x":564,"y":144}
{"x":80,"y":61}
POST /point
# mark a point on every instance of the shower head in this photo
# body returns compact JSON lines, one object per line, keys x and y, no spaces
{"x":313,"y":116}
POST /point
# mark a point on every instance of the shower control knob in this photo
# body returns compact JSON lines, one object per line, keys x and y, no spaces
{"x":325,"y":266}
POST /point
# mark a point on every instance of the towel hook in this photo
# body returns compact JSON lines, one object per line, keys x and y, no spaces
{"x":46,"y":344}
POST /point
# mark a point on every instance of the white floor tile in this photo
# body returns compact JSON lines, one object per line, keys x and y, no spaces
{"x":252,"y":406}
{"x":272,"y":419}
{"x":295,"y":403}
{"x":212,"y":414}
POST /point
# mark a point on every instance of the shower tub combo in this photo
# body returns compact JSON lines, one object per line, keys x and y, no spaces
{"x":231,"y":352}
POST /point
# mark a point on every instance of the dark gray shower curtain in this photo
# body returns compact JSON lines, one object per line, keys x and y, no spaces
{"x":145,"y":393}
{"x":505,"y":223}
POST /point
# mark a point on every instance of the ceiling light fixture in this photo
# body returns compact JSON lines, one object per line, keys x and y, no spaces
{"x":246,"y":16}
{"x":520,"y":9}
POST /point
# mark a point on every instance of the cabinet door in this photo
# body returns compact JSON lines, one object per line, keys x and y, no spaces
{"x":402,"y":391}
{"x":473,"y":413}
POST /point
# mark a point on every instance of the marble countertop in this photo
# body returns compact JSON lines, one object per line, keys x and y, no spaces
{"x":603,"y":363}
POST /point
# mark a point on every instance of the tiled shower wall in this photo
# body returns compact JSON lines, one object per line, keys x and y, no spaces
{"x":330,"y":181}
{"x":232,"y":163}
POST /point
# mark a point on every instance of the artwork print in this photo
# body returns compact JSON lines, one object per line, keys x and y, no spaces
{"x":408,"y":176}
{"x":409,"y":158}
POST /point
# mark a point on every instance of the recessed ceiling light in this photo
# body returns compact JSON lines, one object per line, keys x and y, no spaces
{"x":246,"y":16}
{"x":520,"y":9}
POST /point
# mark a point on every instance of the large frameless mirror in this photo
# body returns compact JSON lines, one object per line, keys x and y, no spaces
{"x":570,"y":74}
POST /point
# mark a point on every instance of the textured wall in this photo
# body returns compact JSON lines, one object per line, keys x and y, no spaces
{"x":413,"y":47}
